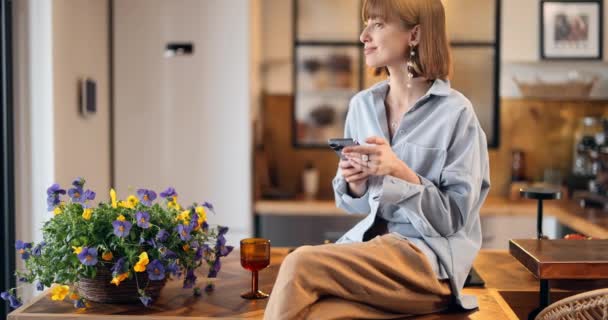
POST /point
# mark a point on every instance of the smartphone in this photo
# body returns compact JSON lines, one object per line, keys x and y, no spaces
{"x":337,"y":144}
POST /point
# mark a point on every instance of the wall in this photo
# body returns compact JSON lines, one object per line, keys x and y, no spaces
{"x":542,"y":129}
{"x":80,"y":49}
{"x":185,"y":121}
{"x":56,"y":42}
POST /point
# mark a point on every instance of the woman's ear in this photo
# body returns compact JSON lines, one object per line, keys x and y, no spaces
{"x":415,"y":35}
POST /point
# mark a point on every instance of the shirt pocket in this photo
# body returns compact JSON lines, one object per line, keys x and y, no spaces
{"x":425,"y":161}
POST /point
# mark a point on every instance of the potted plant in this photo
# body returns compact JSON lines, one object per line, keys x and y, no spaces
{"x":119,"y":251}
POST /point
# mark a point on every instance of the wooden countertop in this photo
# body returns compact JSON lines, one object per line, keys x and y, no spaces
{"x":498,"y":269}
{"x":592,"y":222}
{"x":511,"y":291}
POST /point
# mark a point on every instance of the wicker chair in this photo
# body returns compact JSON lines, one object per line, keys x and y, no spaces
{"x":590,"y":305}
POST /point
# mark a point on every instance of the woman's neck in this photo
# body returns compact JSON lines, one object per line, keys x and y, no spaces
{"x":400,"y":97}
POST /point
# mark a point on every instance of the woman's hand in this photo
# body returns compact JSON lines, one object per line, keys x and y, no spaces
{"x":379,"y":159}
{"x":356,"y":178}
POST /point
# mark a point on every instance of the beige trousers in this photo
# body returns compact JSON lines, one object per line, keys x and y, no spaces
{"x":385,"y":278}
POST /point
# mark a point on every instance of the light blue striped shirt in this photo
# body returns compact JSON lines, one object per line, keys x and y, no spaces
{"x":441,"y":140}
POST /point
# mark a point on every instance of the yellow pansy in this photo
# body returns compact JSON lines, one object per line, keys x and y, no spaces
{"x":202,"y":217}
{"x":173,"y":203}
{"x":57,"y":210}
{"x":59,"y":292}
{"x":140,"y":266}
{"x":86,"y":214}
{"x":77,"y":250}
{"x":121,"y":218}
{"x":184,"y":217}
{"x":119,"y":278}
{"x":202,"y":214}
{"x":186,"y":247}
{"x":74,"y":296}
{"x":107,"y":256}
{"x":132,"y":200}
{"x":125,"y":204}
{"x":113,"y":197}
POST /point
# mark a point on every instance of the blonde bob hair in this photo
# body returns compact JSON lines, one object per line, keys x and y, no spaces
{"x":433,"y":59}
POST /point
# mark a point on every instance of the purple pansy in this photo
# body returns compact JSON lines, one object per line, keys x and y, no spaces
{"x":54,"y":189}
{"x":173,"y":268}
{"x":89,"y":195}
{"x":22,"y":249}
{"x":167,"y":254}
{"x":190,"y":279}
{"x":202,"y":252}
{"x":88,"y":256}
{"x":143,"y":219}
{"x":53,"y":193}
{"x":215,"y":268}
{"x":76,"y":194}
{"x":119,"y":266}
{"x":121,"y":228}
{"x":13,"y":301}
{"x":39,"y":286}
{"x":146,"y":300}
{"x":184,"y":232}
{"x":162,"y":235}
{"x":37,"y":251}
{"x":79,"y":304}
{"x":146,"y":196}
{"x":208,"y":206}
{"x":169,"y":193}
{"x":156,"y":270}
{"x":221,"y":249}
{"x":78,"y":182}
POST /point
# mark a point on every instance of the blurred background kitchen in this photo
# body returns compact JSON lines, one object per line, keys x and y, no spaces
{"x":232,"y":102}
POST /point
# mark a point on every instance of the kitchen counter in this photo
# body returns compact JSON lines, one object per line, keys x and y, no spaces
{"x":592,"y":222}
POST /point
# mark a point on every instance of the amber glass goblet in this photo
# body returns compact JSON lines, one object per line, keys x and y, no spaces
{"x":255,"y":256}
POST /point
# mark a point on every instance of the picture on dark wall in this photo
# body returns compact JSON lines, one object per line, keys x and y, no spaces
{"x":571,"y":29}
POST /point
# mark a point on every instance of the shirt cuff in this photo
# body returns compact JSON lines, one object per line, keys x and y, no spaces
{"x":395,"y":190}
{"x":359,"y":205}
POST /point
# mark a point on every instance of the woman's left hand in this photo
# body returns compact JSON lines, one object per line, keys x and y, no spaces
{"x":381,"y":159}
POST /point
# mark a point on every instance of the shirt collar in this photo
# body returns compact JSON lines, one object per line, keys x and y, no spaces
{"x":438,"y":88}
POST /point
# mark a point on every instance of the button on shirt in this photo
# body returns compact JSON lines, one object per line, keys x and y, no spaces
{"x":441,"y":140}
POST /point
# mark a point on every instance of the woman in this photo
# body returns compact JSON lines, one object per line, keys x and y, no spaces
{"x":420,"y":177}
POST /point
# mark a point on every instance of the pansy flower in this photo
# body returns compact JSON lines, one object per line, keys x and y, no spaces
{"x":146,"y":196}
{"x":119,"y":278}
{"x":119,"y":266}
{"x":215,"y":268}
{"x":22,"y":249}
{"x":156,"y":270}
{"x":169,"y":193}
{"x":162,"y":235}
{"x":167,"y":254}
{"x":184,"y":231}
{"x":140,"y":266}
{"x":143,"y":219}
{"x":53,"y":193}
{"x":190,"y":279}
{"x":146,"y":300}
{"x":12,"y":299}
{"x":59,"y":292}
{"x":88,"y":256}
{"x":121,"y":227}
{"x":77,"y":194}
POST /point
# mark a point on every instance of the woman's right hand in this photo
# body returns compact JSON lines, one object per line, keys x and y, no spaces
{"x":356,"y":178}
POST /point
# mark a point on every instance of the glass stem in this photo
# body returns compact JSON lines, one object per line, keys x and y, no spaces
{"x":254,"y":281}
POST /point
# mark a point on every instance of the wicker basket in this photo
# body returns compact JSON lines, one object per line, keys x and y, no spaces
{"x":550,"y":90}
{"x":99,"y":289}
{"x":589,"y":305}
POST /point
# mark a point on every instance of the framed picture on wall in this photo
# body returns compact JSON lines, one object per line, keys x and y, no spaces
{"x":571,"y":29}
